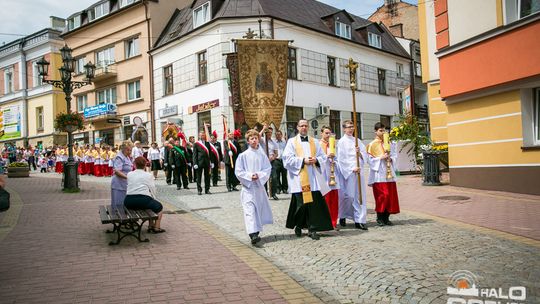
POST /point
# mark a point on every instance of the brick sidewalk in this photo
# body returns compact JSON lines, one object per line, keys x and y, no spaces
{"x":54,"y":250}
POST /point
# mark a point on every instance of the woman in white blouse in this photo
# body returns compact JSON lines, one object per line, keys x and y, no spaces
{"x":155,"y":158}
{"x":141,"y":193}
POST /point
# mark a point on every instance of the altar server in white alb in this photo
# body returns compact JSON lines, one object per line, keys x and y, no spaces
{"x":253,"y":171}
{"x":382,"y":178}
{"x":349,"y":198}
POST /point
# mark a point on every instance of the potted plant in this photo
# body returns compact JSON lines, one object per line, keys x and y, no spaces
{"x":18,"y":169}
{"x":69,"y":122}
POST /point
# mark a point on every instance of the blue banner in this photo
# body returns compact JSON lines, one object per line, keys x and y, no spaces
{"x":101,"y":109}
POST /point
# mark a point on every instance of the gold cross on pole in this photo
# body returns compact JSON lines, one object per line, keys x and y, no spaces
{"x":352,"y":66}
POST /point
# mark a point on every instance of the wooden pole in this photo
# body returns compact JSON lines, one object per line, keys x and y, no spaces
{"x":352,"y":66}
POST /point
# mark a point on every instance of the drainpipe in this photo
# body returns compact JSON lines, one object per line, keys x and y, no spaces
{"x":413,"y":106}
{"x":151,"y":73}
{"x":272,"y":27}
{"x":24,"y":88}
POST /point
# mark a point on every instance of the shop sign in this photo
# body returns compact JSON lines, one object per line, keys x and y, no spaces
{"x":204,"y":106}
{"x":101,"y":109}
{"x":168,"y":111}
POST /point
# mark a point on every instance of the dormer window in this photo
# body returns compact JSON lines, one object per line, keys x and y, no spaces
{"x":343,"y":30}
{"x":74,"y":22}
{"x":98,"y":11}
{"x":374,"y":40}
{"x":201,"y":15}
{"x":126,"y":2}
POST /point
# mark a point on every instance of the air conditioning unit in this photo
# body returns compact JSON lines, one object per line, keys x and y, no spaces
{"x":323,"y":110}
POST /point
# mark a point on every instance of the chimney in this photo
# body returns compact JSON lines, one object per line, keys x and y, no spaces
{"x":57,"y":23}
{"x":390,"y":2}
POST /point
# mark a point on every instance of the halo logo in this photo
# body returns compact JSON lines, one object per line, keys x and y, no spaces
{"x":464,"y":290}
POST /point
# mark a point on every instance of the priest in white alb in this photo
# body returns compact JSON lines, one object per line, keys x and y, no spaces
{"x":382,"y":177}
{"x":349,"y":171}
{"x":253,"y":171}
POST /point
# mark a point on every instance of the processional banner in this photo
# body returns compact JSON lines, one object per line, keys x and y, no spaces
{"x":262,"y":66}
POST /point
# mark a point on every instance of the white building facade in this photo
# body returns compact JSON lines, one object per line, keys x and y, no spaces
{"x":191,"y":81}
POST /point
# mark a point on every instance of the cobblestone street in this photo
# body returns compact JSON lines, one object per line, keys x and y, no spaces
{"x":410,"y":262}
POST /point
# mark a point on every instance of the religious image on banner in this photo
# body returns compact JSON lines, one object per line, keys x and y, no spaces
{"x":262,"y":66}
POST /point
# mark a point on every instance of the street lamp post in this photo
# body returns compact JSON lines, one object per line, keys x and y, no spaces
{"x":71,"y":180}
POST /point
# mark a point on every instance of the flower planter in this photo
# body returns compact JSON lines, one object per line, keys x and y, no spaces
{"x":18,"y":172}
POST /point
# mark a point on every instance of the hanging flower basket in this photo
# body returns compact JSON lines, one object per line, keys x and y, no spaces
{"x":69,"y":122}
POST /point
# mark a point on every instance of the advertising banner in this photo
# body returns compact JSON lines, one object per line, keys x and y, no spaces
{"x":10,"y":122}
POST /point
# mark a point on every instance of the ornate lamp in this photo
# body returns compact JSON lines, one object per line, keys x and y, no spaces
{"x":90,"y":70}
{"x":65,"y":52}
{"x":43,"y":67}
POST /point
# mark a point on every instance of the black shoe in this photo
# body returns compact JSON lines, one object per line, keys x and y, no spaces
{"x":342,"y":222}
{"x":207,"y":192}
{"x":255,"y":240}
{"x":178,"y":188}
{"x":214,"y":185}
{"x":298,"y":231}
{"x":275,"y":197}
{"x":235,"y":189}
{"x":199,"y":193}
{"x":187,"y":188}
{"x":229,"y":189}
{"x":360,"y":226}
{"x":313,"y":235}
{"x":388,"y":223}
{"x":380,"y":222}
{"x":169,"y":183}
{"x":278,"y":192}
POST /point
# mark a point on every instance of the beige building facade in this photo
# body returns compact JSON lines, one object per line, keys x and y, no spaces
{"x":116,"y":36}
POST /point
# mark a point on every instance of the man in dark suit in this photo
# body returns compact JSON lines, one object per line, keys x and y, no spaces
{"x":178,"y":162}
{"x":217,"y":159}
{"x":231,"y":151}
{"x":201,"y":163}
{"x":166,"y":165}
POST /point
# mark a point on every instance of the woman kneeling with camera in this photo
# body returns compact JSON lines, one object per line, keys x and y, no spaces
{"x":141,"y":193}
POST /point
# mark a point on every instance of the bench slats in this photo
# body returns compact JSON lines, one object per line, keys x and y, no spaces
{"x":109,"y":215}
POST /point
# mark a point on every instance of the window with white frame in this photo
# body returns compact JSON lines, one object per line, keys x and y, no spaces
{"x":134,"y":90}
{"x":399,"y":70}
{"x":374,"y":40}
{"x":517,"y":9}
{"x":331,"y":63}
{"x":105,"y":57}
{"x":106,"y":96}
{"x":98,"y":11}
{"x":343,"y":30}
{"x":536,"y":120}
{"x":126,"y":2}
{"x":36,"y":79}
{"x":73,"y":23}
{"x":382,"y":81}
{"x":39,"y":119}
{"x":201,"y":15}
{"x":292,"y":70}
{"x":81,"y":102}
{"x":79,"y":65}
{"x":132,"y":47}
{"x":168,"y":88}
{"x":203,"y":67}
{"x":8,"y":81}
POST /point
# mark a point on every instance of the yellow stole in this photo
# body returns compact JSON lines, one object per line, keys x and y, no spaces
{"x":324,"y":146}
{"x":376,"y":148}
{"x":304,"y":174}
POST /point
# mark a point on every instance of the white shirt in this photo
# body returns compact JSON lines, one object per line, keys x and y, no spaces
{"x":154,"y":154}
{"x":136,"y":152}
{"x":272,"y":147}
{"x":140,"y":182}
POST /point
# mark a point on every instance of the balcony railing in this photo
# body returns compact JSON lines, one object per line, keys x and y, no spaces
{"x":105,"y":70}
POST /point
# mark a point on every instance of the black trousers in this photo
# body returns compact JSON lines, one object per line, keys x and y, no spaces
{"x":199,"y":173}
{"x":279,"y":175}
{"x":180,"y":176}
{"x":190,"y":172}
{"x":314,"y":216}
{"x":168,"y":173}
{"x":230,"y":178}
{"x":215,"y":174}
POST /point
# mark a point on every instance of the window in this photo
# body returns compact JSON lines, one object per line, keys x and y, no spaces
{"x":335,"y":123}
{"x":374,"y":40}
{"x":203,"y":70}
{"x":106,"y":96}
{"x":168,"y":80}
{"x":291,"y":68}
{"x":536,"y":121}
{"x":517,"y":9}
{"x":343,"y":30}
{"x":382,"y":81}
{"x":128,"y":131}
{"x":79,"y":65}
{"x":418,"y":69}
{"x":8,"y":81}
{"x":39,"y":118}
{"x":81,"y":103}
{"x":98,"y":11}
{"x":293,"y":114}
{"x":105,"y":57}
{"x":331,"y":71}
{"x":399,"y":70}
{"x":201,"y":15}
{"x":36,"y":79}
{"x":358,"y":124}
{"x":387,"y":121}
{"x":204,"y":117}
{"x":134,"y":90}
{"x":126,"y":2}
{"x":132,"y":47}
{"x":74,"y":22}
{"x":400,"y":101}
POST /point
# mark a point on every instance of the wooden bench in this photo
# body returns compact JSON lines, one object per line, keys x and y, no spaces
{"x":125,"y":221}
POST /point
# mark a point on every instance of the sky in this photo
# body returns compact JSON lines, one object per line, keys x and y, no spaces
{"x":19,"y":18}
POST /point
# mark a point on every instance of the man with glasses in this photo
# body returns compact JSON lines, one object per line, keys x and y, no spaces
{"x":303,"y":158}
{"x":349,"y":172}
